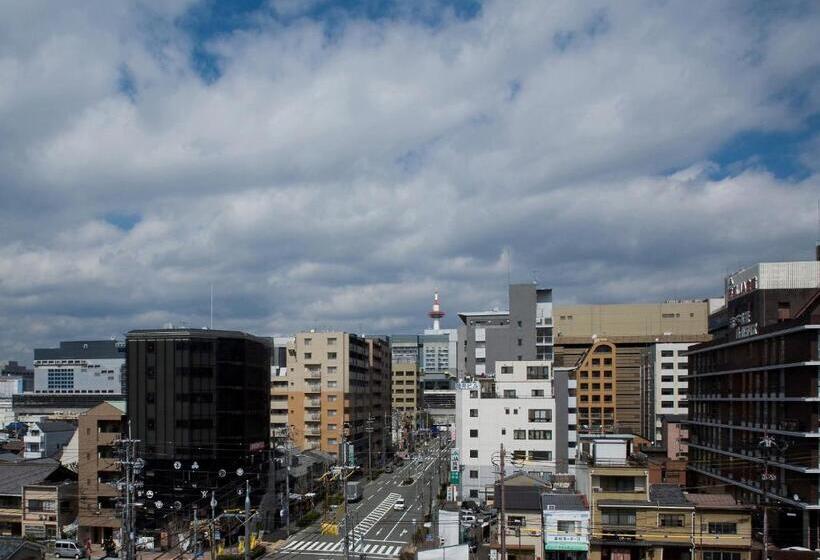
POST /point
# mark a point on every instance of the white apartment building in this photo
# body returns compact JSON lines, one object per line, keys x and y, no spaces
{"x":667,"y":369}
{"x":46,"y":438}
{"x":526,"y":407}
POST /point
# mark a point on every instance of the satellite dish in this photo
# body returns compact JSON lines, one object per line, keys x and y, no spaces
{"x":240,"y":471}
{"x":177,"y":465}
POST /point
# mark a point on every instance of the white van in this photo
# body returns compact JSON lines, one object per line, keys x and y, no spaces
{"x":68,"y":549}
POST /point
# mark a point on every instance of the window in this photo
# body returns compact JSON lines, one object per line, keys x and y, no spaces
{"x":473,"y":433}
{"x":506,"y":369}
{"x":519,"y":323}
{"x":540,"y":434}
{"x":540,"y":455}
{"x":617,"y":483}
{"x":308,"y":341}
{"x":509,"y":393}
{"x":667,"y":365}
{"x":519,"y":434}
{"x":537,"y":392}
{"x":517,"y":520}
{"x":473,"y":453}
{"x":622,"y":517}
{"x":683,"y":365}
{"x":473,"y":394}
{"x":667,"y":353}
{"x":667,"y":391}
{"x":720,"y":555}
{"x":667,"y":404}
{"x":520,"y":342}
{"x":566,"y":526}
{"x":473,"y":474}
{"x":331,"y":412}
{"x":332,"y":384}
{"x":667,"y":378}
{"x":503,"y":431}
{"x":507,"y":411}
{"x":332,"y":427}
{"x":331,"y":341}
{"x":670,"y":520}
{"x":331,"y":398}
{"x":308,"y":355}
{"x":331,"y":355}
{"x":474,"y":493}
{"x":540,"y":415}
{"x":331,"y":441}
{"x":473,"y":413}
{"x":722,"y":528}
{"x":331,"y":369}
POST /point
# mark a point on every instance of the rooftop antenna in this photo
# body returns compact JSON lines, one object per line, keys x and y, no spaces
{"x":212,"y":306}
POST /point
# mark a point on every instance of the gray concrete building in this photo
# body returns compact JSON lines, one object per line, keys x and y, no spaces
{"x":524,"y":333}
{"x":80,"y":367}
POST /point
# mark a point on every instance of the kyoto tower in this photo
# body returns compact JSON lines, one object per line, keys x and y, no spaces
{"x":436,"y":313}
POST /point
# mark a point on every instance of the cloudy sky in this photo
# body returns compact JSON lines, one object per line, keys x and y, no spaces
{"x":329,"y":164}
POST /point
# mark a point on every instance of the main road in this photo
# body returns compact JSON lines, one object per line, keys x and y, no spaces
{"x":377,"y":529}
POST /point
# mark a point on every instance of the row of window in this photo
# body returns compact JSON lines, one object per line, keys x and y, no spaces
{"x":671,"y":365}
{"x":521,"y":455}
{"x":330,"y":341}
{"x":330,"y":355}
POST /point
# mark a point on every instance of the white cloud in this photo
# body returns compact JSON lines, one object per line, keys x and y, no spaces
{"x":337,"y":180}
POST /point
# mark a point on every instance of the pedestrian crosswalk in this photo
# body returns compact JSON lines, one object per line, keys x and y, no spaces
{"x":360,"y":530}
{"x":337,"y":547}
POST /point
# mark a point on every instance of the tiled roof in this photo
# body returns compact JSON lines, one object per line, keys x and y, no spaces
{"x":667,"y":495}
{"x":15,"y":475}
{"x":55,"y":426}
{"x":717,"y":500}
{"x":520,"y":498}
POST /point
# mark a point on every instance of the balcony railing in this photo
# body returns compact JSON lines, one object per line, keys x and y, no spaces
{"x":313,"y":403}
{"x":543,"y":340}
{"x":313,"y":417}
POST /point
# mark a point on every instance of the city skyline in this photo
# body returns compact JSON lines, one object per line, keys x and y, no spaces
{"x":331,"y":165}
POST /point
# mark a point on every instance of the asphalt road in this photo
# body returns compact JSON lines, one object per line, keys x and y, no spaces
{"x":377,"y":530}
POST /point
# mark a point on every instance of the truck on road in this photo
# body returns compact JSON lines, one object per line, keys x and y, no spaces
{"x":354,"y":490}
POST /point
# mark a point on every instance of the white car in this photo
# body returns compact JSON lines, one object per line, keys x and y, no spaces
{"x":399,"y":505}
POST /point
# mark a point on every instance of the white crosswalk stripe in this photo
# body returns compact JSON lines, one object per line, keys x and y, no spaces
{"x":337,"y":548}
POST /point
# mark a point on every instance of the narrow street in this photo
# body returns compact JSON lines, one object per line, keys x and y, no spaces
{"x":377,"y":529}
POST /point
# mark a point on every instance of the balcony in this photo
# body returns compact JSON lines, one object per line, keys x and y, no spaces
{"x":313,"y":432}
{"x":108,"y":464}
{"x":313,"y":403}
{"x":543,"y":340}
{"x":314,"y":374}
{"x":107,"y":438}
{"x":313,"y":417}
{"x":543,"y":321}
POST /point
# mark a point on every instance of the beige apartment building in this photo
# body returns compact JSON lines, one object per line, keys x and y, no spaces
{"x":335,"y":379}
{"x":607,"y":346}
{"x":98,"y":432}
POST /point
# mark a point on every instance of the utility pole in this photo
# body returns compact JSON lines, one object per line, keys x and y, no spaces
{"x":766,"y":443}
{"x":211,"y":532}
{"x":195,"y":544}
{"x":343,"y":479}
{"x":369,"y":430}
{"x":247,"y":519}
{"x":502,"y":523}
{"x":130,"y":463}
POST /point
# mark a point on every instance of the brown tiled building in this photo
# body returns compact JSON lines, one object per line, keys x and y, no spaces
{"x":754,"y":421}
{"x":98,"y":431}
{"x":333,"y":379}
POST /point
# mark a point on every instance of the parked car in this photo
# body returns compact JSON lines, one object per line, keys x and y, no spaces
{"x":68,"y":549}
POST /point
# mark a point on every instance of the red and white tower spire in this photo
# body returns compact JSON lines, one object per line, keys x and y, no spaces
{"x":436,"y":313}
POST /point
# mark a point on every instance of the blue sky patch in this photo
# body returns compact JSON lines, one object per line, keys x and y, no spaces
{"x":777,"y":152}
{"x":122,"y":220}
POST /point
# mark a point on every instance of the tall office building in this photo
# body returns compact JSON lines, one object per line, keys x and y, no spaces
{"x":664,"y":387}
{"x":608,"y":347}
{"x":406,"y":387}
{"x":754,"y":421}
{"x":440,"y":366}
{"x":80,"y":367}
{"x":524,"y":333}
{"x":333,"y":379}
{"x":199,"y":404}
